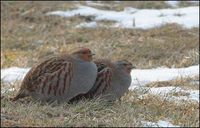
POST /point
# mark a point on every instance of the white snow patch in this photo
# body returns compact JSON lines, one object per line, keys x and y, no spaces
{"x":87,"y":25}
{"x":167,"y":93}
{"x":141,"y":77}
{"x":13,"y":74}
{"x":164,"y":90}
{"x":192,"y":94}
{"x":160,"y":123}
{"x":138,"y":18}
{"x":172,"y":3}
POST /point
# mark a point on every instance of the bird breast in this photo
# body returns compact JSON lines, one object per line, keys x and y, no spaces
{"x":85,"y":74}
{"x":120,"y":84}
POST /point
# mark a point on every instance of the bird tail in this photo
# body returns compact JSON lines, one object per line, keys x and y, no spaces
{"x":20,"y":94}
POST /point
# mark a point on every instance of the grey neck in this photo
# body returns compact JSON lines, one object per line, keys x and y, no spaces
{"x":77,"y":57}
{"x":121,"y":71}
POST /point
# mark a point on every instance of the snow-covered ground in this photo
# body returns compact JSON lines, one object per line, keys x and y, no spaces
{"x":142,"y":77}
{"x":160,"y":123}
{"x":135,"y":18}
{"x":167,"y":93}
{"x":13,"y":74}
{"x":145,"y":76}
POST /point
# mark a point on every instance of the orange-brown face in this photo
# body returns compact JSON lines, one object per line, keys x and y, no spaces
{"x":86,"y":54}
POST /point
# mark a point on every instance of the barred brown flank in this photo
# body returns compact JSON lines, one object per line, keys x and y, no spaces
{"x":105,"y":77}
{"x":60,"y":92}
{"x":58,"y":81}
{"x":108,"y":76}
{"x":49,"y":90}
{"x":42,"y":66}
{"x":65,"y":77}
{"x":54,"y":90}
{"x":98,"y":86}
{"x":42,"y":88}
{"x":70,"y":74}
{"x":43,"y":84}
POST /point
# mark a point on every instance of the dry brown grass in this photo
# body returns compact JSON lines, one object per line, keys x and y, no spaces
{"x":119,"y":6}
{"x":131,"y":111}
{"x":27,"y":35}
{"x":186,"y":3}
{"x":33,"y":35}
{"x":160,"y":108}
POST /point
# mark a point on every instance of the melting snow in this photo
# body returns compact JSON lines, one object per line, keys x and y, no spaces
{"x":142,"y":77}
{"x":138,"y":18}
{"x":13,"y":74}
{"x":87,"y":25}
{"x":172,"y":3}
{"x":167,"y":92}
{"x":160,"y":123}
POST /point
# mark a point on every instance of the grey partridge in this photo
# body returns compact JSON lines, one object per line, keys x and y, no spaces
{"x":113,"y":80}
{"x":60,"y":77}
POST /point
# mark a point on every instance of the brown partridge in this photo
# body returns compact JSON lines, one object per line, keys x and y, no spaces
{"x":113,"y":80}
{"x":60,"y":77}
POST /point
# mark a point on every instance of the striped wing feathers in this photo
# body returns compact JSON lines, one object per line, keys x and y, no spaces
{"x":52,"y":76}
{"x":58,"y":82}
{"x":103,"y":81}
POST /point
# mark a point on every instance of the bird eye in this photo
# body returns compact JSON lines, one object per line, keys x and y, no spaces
{"x":84,"y":52}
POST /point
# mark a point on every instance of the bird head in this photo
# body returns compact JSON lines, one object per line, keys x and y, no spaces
{"x":84,"y":54}
{"x":125,"y":65}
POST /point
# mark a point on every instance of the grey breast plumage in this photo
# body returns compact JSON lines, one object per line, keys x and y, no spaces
{"x":85,"y":74}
